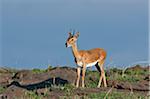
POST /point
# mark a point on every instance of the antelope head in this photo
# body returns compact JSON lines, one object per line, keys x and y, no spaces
{"x":71,"y":39}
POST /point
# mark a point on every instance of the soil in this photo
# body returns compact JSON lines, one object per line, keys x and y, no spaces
{"x":26,"y":80}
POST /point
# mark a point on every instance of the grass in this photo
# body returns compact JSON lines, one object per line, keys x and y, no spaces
{"x":137,"y":72}
{"x":132,"y":76}
{"x":91,"y":81}
{"x":2,"y":89}
{"x":8,"y":70}
{"x":31,"y":95}
{"x":92,"y":78}
{"x":102,"y":95}
{"x":116,"y":95}
{"x":125,"y":78}
{"x":131,"y":79}
{"x":68,"y":88}
{"x":37,"y":71}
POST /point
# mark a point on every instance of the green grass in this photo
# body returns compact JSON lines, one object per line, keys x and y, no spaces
{"x":91,"y":79}
{"x":2,"y":89}
{"x":7,"y":70}
{"x":125,"y":78}
{"x":68,"y":89}
{"x":37,"y":71}
{"x":101,"y":95}
{"x":31,"y":95}
{"x":132,"y":76}
{"x":115,"y":70}
{"x":131,"y":79}
{"x":137,"y":72}
{"x":116,"y":95}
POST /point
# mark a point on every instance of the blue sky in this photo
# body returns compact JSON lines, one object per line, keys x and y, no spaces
{"x":34,"y":31}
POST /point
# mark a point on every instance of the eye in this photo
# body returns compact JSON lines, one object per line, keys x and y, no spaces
{"x":71,"y":39}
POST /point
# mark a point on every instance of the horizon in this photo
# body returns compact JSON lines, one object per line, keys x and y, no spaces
{"x":34,"y":32}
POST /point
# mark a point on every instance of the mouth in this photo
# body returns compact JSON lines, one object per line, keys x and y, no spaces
{"x":67,"y":45}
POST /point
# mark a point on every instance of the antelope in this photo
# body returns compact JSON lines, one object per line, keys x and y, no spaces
{"x":87,"y":58}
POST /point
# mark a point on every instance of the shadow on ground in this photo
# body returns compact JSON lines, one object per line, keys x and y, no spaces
{"x":44,"y":84}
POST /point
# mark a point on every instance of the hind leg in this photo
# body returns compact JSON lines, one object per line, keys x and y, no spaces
{"x":100,"y":68}
{"x":100,"y":79}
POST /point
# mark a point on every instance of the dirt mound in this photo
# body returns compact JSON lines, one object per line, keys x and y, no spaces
{"x":22,"y":81}
{"x":26,"y":77}
{"x":26,"y":80}
{"x":5,"y":79}
{"x":141,"y":86}
{"x":66,"y":73}
{"x":138,"y":67}
{"x":147,"y":77}
{"x":12,"y":92}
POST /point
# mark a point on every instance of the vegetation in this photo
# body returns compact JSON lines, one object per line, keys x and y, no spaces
{"x":7,"y":70}
{"x":128,"y":78}
{"x":49,"y":68}
{"x":137,"y":72}
{"x":116,"y":95}
{"x":91,"y":81}
{"x":2,"y":89}
{"x":37,"y":71}
{"x":132,"y":76}
{"x":31,"y":95}
{"x":68,"y":88}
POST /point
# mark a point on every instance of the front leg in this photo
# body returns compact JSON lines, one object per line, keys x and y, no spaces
{"x":83,"y":74}
{"x":78,"y":76}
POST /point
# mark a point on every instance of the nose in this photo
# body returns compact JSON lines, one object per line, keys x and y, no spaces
{"x":66,"y":44}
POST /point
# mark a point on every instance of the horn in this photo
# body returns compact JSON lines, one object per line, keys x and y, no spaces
{"x":70,"y":34}
{"x":77,"y":34}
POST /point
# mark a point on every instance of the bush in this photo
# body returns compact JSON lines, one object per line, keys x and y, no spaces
{"x":37,"y":71}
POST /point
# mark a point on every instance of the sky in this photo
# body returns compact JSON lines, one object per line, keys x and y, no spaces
{"x":33,"y":32}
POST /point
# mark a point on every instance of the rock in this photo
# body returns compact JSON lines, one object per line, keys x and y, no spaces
{"x":141,"y":86}
{"x":5,"y":79}
{"x":27,"y":77}
{"x":138,"y":67}
{"x":13,"y":92}
{"x":26,"y":80}
{"x":147,"y":78}
{"x":65,"y":73}
{"x":3,"y":70}
{"x":31,"y":81}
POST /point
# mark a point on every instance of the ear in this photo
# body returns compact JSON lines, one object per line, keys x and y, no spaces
{"x":70,"y":34}
{"x":77,"y":35}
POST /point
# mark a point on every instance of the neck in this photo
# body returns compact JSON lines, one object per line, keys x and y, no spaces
{"x":75,"y":50}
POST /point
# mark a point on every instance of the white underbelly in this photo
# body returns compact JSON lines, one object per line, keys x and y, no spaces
{"x":87,"y":65}
{"x":91,"y":64}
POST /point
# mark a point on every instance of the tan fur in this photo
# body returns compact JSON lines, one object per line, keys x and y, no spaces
{"x":92,"y":55}
{"x":84,"y":58}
